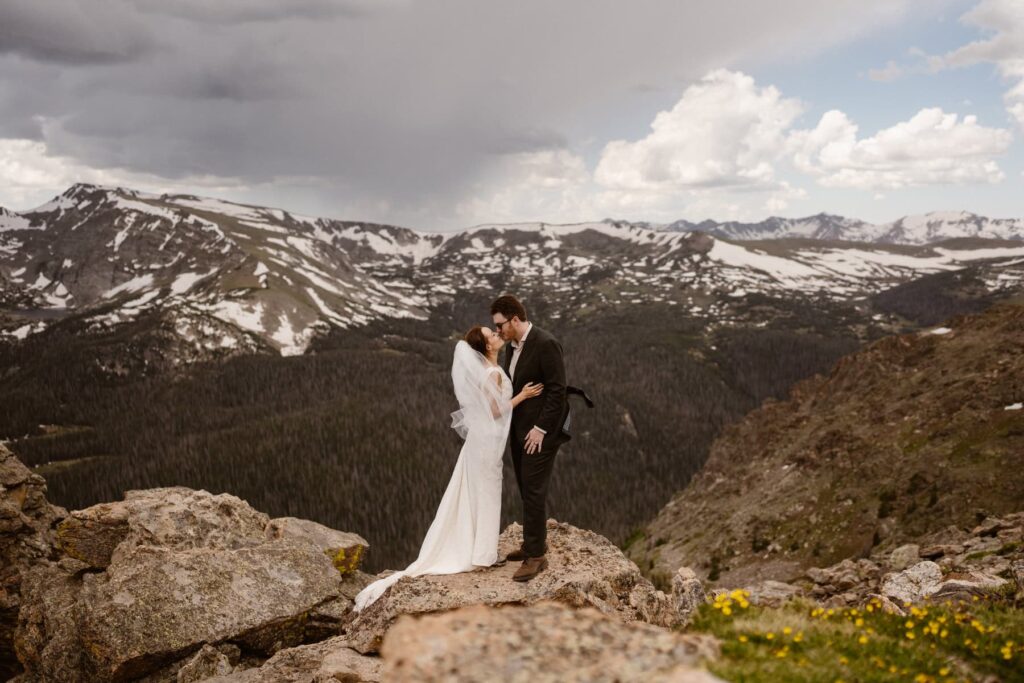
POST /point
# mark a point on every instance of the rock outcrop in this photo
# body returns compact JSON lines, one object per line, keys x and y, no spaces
{"x":949,"y":564}
{"x":328,"y":661}
{"x":26,"y":540}
{"x":173,"y":583}
{"x":544,"y":641}
{"x":585,"y":570}
{"x":181,"y":518}
{"x":177,"y":585}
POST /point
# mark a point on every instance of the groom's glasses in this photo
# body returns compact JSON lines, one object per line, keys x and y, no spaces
{"x":499,"y":324}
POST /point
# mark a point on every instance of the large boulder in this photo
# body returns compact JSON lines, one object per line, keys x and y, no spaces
{"x":26,"y":540}
{"x":584,"y":570}
{"x":543,"y":641}
{"x":180,"y":518}
{"x":148,"y":583}
{"x":913,"y":584}
{"x":156,"y":605}
{"x":925,"y":581}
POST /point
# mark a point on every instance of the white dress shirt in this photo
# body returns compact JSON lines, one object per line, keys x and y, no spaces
{"x":518,"y":346}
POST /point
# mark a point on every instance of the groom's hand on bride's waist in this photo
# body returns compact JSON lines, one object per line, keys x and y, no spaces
{"x":534,"y":440}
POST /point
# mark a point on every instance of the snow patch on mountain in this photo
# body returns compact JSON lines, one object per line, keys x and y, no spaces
{"x":135,"y":284}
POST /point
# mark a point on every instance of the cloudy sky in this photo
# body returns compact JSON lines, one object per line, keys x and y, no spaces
{"x":444,"y":114}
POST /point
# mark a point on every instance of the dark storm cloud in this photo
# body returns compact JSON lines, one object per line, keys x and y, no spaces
{"x":240,"y":11}
{"x":385,"y":100}
{"x":71,"y":32}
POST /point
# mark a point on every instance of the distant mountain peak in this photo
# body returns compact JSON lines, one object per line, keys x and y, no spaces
{"x":919,"y":229}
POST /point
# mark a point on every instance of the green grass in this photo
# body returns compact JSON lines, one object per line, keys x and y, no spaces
{"x":800,"y":641}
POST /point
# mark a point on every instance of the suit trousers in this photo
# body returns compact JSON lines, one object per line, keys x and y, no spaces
{"x":533,"y":472}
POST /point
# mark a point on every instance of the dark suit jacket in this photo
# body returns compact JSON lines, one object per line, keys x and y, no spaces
{"x":540,"y":361}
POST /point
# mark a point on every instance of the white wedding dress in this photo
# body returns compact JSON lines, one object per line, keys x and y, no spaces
{"x":465,"y":529}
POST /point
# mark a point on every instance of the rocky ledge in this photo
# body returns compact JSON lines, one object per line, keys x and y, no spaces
{"x":178,"y":585}
{"x":584,"y":570}
{"x":543,"y":641}
{"x":141,"y":585}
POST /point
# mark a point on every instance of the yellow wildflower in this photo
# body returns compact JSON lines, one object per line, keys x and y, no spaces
{"x":787,"y":630}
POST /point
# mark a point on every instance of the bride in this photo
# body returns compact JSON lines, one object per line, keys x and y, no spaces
{"x":464,"y":533}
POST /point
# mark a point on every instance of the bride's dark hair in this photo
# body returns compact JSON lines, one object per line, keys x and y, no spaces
{"x":476,"y":339}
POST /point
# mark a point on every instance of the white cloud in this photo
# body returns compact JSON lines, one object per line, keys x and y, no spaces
{"x":933,"y":147}
{"x":723,"y":131}
{"x":548,"y":185}
{"x":717,"y":153}
{"x":1004,"y":48}
{"x":779,"y":200}
{"x":30,"y":176}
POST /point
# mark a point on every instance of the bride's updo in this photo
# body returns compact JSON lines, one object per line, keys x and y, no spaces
{"x":476,"y":340}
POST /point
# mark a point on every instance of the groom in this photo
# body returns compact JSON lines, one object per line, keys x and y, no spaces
{"x":536,"y":429}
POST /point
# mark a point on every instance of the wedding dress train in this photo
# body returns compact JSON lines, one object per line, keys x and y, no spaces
{"x":465,"y":529}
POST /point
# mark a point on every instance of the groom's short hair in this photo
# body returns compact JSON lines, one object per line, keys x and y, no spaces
{"x":509,"y":306}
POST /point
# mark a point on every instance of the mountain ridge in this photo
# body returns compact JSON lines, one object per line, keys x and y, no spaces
{"x":899,"y":440}
{"x":227,"y":275}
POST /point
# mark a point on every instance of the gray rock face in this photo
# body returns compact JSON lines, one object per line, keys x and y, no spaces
{"x":925,"y":580}
{"x":964,"y":585}
{"x":904,"y":556}
{"x":687,"y":594}
{"x":345,"y":549}
{"x":47,"y":639}
{"x":544,"y":641}
{"x":26,"y":540}
{"x":584,"y":570}
{"x":180,"y":518}
{"x":148,"y":582}
{"x":155,"y":605}
{"x":912,"y":584}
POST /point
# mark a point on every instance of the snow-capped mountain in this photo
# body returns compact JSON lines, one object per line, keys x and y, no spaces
{"x":226,"y":277}
{"x":923,"y":229}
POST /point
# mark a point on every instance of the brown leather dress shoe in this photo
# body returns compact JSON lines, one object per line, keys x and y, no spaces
{"x":530,"y":568}
{"x":517,"y":555}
